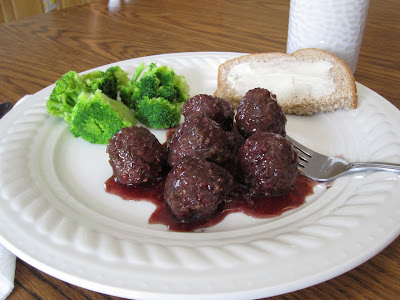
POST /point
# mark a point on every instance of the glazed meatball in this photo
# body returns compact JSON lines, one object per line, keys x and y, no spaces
{"x":231,"y":166}
{"x":136,"y":155}
{"x":267,"y":164}
{"x":217,"y":109}
{"x":201,"y":138}
{"x":194,"y":189}
{"x":259,"y":111}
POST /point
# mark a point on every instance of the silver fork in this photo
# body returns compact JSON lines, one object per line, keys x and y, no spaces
{"x":326,"y":168}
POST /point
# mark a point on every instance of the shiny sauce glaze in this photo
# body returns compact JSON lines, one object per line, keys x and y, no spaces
{"x":240,"y":201}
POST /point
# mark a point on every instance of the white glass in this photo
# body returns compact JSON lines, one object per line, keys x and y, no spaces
{"x":333,"y":25}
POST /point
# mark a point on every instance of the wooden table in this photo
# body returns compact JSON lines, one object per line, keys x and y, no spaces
{"x":34,"y":52}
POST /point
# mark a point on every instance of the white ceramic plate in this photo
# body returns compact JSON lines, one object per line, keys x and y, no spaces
{"x":55,"y":214}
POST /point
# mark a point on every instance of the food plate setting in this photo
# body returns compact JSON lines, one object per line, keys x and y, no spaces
{"x":56,"y":215}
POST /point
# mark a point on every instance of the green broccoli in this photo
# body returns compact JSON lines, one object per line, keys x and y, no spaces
{"x":155,"y":81}
{"x":120,"y":75}
{"x":97,"y":117}
{"x":156,"y":94}
{"x":126,"y":91}
{"x":173,"y":87}
{"x":109,"y":81}
{"x":65,"y":94}
{"x":125,"y":94}
{"x":99,"y":80}
{"x":158,"y":112}
{"x":88,"y":102}
{"x":182,"y":87}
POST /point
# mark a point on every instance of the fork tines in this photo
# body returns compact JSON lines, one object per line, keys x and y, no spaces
{"x":304,"y":154}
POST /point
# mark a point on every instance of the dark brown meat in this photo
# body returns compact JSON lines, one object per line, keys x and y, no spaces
{"x":217,"y":109}
{"x":267,"y":163}
{"x":201,"y":138}
{"x":194,"y":189}
{"x":259,"y":111}
{"x":136,"y":156}
{"x":231,"y":166}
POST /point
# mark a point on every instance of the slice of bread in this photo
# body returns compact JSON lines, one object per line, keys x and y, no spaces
{"x":304,"y":82}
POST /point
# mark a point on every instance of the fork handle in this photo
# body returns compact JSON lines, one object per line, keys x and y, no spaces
{"x":363,"y":166}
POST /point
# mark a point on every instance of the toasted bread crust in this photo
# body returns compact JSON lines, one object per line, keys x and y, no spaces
{"x":344,"y":96}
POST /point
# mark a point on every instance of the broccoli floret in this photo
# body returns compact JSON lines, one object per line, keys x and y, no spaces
{"x":155,"y":82}
{"x":158,"y":112}
{"x":65,"y":95}
{"x":168,"y":92}
{"x":120,"y":75}
{"x":182,"y":88}
{"x":146,"y":87}
{"x":104,"y":81}
{"x":97,"y":117}
{"x":126,"y":91}
{"x":165,"y":74}
{"x":139,"y":70}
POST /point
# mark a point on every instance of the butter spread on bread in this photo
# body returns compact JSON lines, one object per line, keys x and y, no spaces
{"x":305,"y":82}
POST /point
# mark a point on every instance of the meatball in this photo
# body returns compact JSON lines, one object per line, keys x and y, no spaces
{"x":267,"y":163}
{"x":194,"y":189}
{"x":259,"y":111}
{"x":217,"y":109}
{"x":231,"y":166}
{"x":201,"y":138}
{"x":136,"y":155}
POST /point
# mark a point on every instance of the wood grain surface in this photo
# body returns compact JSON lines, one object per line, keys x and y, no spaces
{"x":36,"y":51}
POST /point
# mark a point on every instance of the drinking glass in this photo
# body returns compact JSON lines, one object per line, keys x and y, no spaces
{"x":336,"y":26}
